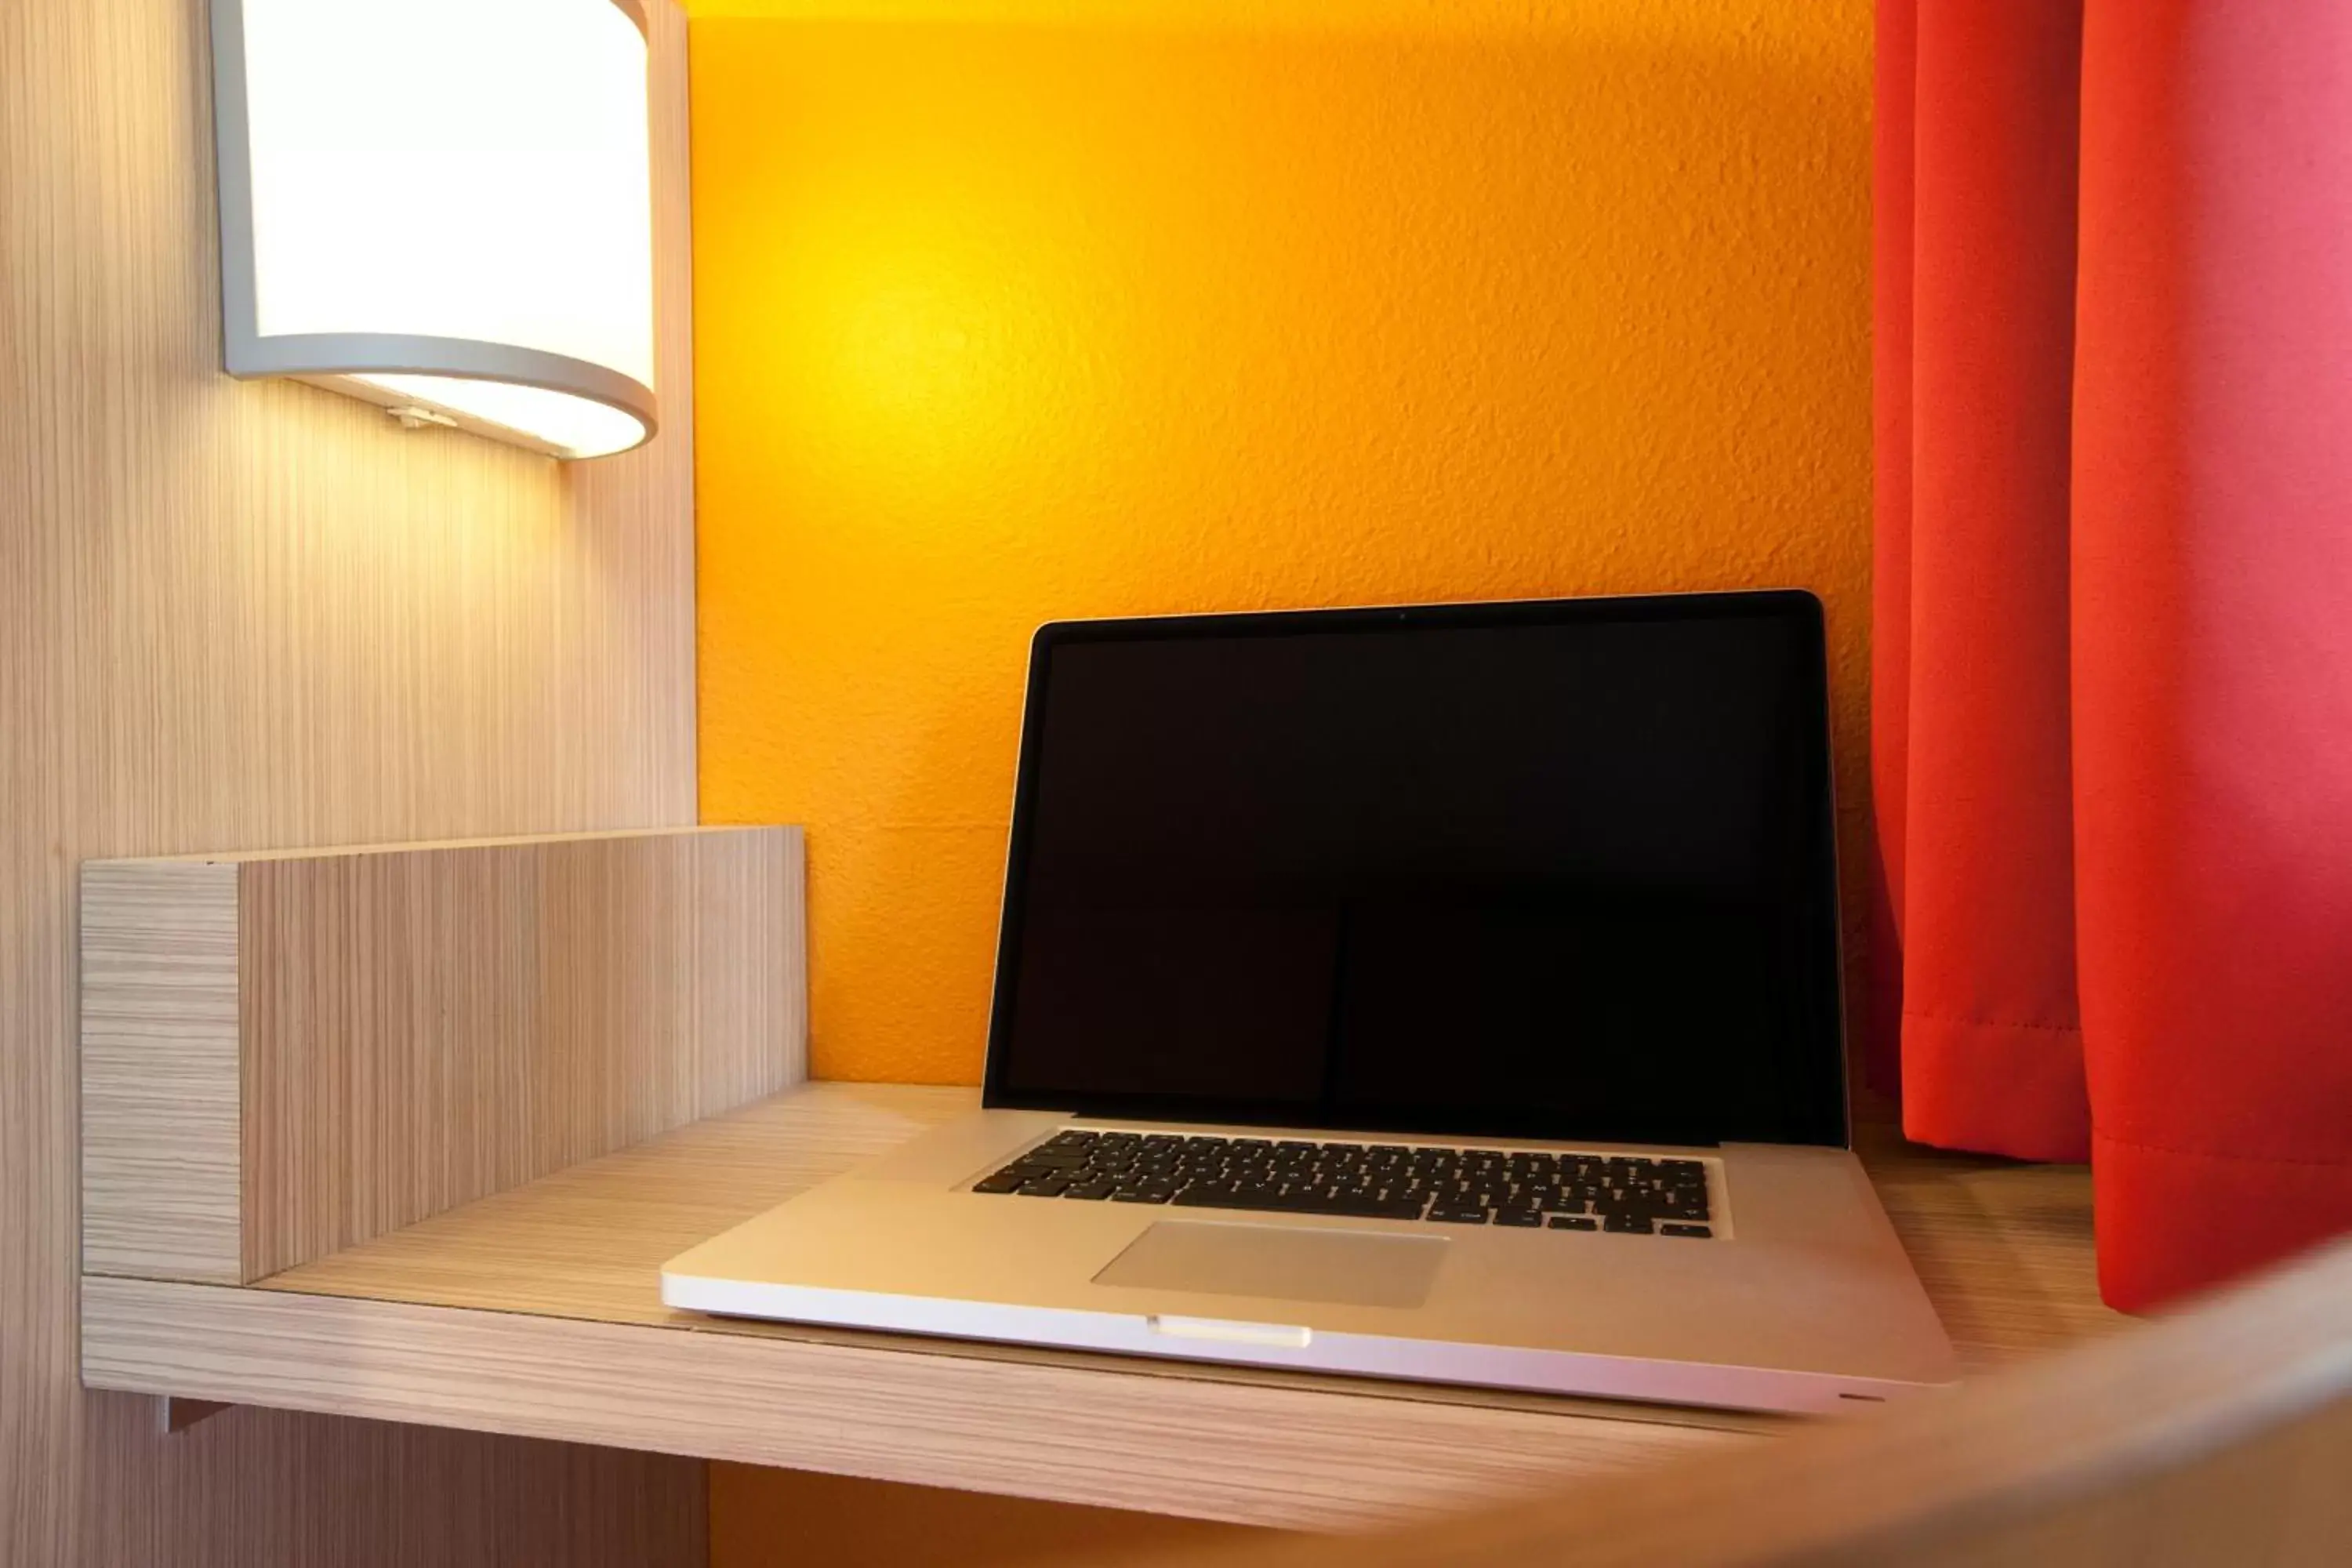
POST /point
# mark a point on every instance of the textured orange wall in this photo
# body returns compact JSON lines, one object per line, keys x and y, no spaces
{"x":786,"y":1519}
{"x":1015,"y":310}
{"x":1087,"y":309}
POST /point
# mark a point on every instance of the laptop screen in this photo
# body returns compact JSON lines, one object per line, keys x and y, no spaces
{"x":1556,"y":870}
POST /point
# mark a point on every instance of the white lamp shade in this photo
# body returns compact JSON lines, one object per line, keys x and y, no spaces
{"x":442,"y":205}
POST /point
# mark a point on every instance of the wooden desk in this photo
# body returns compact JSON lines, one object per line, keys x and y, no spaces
{"x":537,"y":1311}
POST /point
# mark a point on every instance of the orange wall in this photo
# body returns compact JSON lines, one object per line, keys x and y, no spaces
{"x":1003,"y":320}
{"x":785,"y":1518}
{"x":1015,"y":310}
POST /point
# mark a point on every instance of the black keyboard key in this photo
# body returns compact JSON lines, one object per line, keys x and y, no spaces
{"x":1002,"y":1182}
{"x":1683,"y":1230}
{"x":1522,"y":1217}
{"x":1363,"y":1205}
{"x":1349,"y":1205}
{"x":1055,"y":1159}
{"x":1137,"y":1195}
{"x":1628,"y":1223}
{"x":1565,"y":1205}
{"x":1092,"y":1190}
{"x":1570,"y":1222}
{"x":1202,"y":1194}
{"x":1458,"y":1215}
{"x":1046,"y":1187}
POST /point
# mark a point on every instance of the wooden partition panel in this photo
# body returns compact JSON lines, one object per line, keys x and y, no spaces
{"x":241,"y":615}
{"x":286,"y":1055}
{"x":161,"y":1107}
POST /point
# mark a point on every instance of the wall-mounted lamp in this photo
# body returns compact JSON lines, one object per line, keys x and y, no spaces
{"x":445,"y":207}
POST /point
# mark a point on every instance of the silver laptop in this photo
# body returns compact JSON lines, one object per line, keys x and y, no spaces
{"x":1447,"y":993}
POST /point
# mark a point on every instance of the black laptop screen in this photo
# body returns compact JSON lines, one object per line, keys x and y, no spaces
{"x":1548,"y":870}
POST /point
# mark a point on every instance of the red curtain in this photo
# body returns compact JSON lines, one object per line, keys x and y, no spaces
{"x":2112,"y":747}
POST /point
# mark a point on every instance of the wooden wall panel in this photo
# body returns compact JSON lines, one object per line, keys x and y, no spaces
{"x":251,"y":615}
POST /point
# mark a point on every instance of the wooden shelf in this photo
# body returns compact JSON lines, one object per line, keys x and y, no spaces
{"x":408,"y":1131}
{"x":537,"y":1311}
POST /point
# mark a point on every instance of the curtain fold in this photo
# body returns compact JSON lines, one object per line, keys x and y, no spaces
{"x":1890,"y":567}
{"x":1990,"y":1040}
{"x":2113,"y":684}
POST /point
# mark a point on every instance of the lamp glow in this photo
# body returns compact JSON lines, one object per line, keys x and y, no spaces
{"x":444,"y":204}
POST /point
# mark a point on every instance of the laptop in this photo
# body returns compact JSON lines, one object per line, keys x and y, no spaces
{"x":1448,"y":993}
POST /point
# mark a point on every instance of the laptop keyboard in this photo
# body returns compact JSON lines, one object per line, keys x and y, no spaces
{"x":1526,"y":1188}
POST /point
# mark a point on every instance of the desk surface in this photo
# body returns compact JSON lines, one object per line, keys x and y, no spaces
{"x":538,"y":1310}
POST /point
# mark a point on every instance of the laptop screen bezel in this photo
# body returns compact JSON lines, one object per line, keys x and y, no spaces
{"x":1798,"y":607}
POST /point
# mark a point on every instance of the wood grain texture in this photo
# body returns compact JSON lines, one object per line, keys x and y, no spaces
{"x":286,"y":1054}
{"x":2004,"y":1249}
{"x":423,"y":1028}
{"x":1258,"y":1453}
{"x":162,"y":1124}
{"x":261,"y":614}
{"x":461,"y":1317}
{"x":2219,"y":1439}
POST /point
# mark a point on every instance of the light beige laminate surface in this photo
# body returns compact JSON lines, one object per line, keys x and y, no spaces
{"x":323,"y":1047}
{"x":540,"y":1306}
{"x":162,"y":1108}
{"x":2003,"y":1247}
{"x":260,"y":615}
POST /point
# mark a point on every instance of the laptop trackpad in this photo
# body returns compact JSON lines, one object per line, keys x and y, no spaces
{"x":1362,"y":1268}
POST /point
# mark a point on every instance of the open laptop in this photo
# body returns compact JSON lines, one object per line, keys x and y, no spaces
{"x":1447,"y":993}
